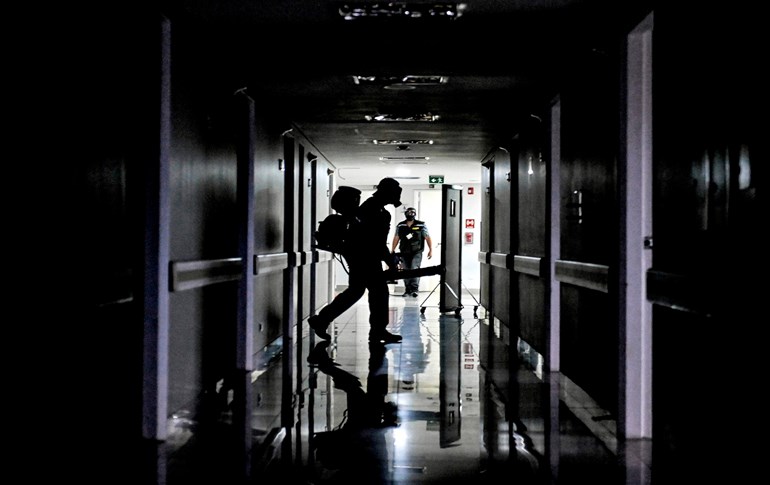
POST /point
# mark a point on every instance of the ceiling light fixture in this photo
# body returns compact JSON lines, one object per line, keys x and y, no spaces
{"x":402,"y":82}
{"x":402,"y":142}
{"x":399,"y":87}
{"x":402,"y":171}
{"x":402,"y":10}
{"x":388,"y":159}
{"x":392,"y":117}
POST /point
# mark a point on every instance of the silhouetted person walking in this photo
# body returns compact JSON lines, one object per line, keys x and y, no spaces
{"x":365,"y":254}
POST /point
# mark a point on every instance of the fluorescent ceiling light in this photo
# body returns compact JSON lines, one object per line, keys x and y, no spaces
{"x":409,"y":80}
{"x":401,"y":10}
{"x":402,"y":142}
{"x":408,"y":159}
{"x":402,"y":171}
{"x":393,"y":117}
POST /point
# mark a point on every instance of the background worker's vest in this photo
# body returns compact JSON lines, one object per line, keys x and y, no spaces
{"x":411,"y":239}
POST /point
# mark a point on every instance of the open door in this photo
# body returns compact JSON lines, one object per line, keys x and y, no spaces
{"x":451,"y":255}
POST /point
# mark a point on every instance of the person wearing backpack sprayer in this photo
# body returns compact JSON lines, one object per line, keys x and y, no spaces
{"x":365,"y":250}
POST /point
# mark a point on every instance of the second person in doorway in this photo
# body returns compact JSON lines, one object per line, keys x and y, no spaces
{"x":411,"y":237}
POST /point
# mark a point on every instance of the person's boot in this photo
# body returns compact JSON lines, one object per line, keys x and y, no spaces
{"x":384,"y":336}
{"x":319,"y":356}
{"x":319,"y":327}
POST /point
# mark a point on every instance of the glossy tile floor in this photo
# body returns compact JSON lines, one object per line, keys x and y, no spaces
{"x":451,"y":403}
{"x":429,"y":409}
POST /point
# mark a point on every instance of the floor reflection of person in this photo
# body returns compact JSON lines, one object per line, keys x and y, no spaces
{"x":356,"y":451}
{"x":412,"y":356}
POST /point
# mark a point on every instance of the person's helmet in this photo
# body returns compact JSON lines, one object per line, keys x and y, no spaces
{"x":390,"y":189}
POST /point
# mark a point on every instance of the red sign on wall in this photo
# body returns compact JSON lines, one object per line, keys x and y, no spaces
{"x":470,"y":190}
{"x":468,"y":238}
{"x":470,"y":223}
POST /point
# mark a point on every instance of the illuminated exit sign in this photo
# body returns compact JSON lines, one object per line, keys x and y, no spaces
{"x":435,"y":179}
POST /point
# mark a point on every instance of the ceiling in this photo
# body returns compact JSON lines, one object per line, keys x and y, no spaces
{"x":482,"y":72}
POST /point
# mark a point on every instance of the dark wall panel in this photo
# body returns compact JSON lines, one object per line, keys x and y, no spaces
{"x":531,"y":296}
{"x":269,"y":200}
{"x":266,"y":395}
{"x":710,"y":151}
{"x":304,"y":276}
{"x":203,"y":170}
{"x":268,"y":310}
{"x":530,"y":231}
{"x":588,"y":165}
{"x":93,"y":221}
{"x":531,"y":167}
{"x":501,"y":357}
{"x":485,"y":245}
{"x":501,"y":235}
{"x":710,"y":198}
{"x":269,"y":186}
{"x":501,"y":198}
{"x":322,"y":196}
{"x":590,"y":141}
{"x":589,"y":337}
{"x":680,"y":342}
{"x":200,"y":347}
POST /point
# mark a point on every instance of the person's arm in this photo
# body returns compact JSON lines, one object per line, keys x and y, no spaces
{"x":390,"y":258}
{"x":428,"y":240}
{"x":395,"y":243}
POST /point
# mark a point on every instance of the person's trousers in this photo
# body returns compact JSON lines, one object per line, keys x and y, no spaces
{"x":411,"y":261}
{"x":344,"y":300}
{"x":367,"y":275}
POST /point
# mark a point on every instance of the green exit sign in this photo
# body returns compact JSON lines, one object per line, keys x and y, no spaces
{"x":435,"y":179}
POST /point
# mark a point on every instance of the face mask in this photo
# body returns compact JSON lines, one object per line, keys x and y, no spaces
{"x":397,"y":198}
{"x":410,"y":216}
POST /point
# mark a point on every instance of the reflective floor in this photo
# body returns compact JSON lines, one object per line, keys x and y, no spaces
{"x":406,"y":412}
{"x":432,"y":409}
{"x":458,"y":400}
{"x":451,"y":403}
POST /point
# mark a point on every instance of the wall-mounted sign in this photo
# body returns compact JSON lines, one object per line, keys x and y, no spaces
{"x":435,"y":179}
{"x":470,"y":223}
{"x":470,"y":190}
{"x":468,"y":238}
